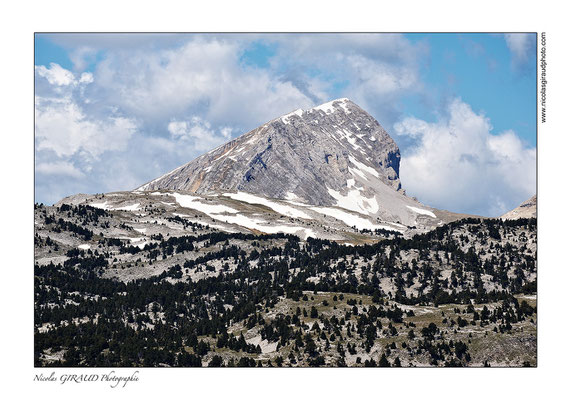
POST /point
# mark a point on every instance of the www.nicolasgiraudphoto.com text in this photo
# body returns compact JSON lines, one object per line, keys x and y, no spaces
{"x":543,"y":75}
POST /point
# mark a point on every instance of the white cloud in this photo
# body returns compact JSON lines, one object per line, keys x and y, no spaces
{"x":521,"y":45}
{"x":199,"y":133}
{"x":460,"y":166}
{"x":375,"y":70}
{"x":61,"y":168}
{"x":74,"y":140}
{"x":86,"y":77}
{"x":204,"y":75}
{"x":63,"y":127}
{"x":56,"y":75}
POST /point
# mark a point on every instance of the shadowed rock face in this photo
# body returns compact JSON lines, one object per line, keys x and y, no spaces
{"x":303,"y":155}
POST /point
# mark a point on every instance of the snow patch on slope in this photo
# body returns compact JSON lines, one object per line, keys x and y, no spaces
{"x":423,"y":212}
{"x":363,"y":167}
{"x":215,"y":211}
{"x":277,"y":207}
{"x":105,"y":206}
{"x":193,"y":202}
{"x":132,"y":207}
{"x":354,"y":201}
{"x":102,"y":206}
{"x":258,"y":225}
{"x":329,"y":108}
{"x":351,"y":219}
{"x":298,"y":112}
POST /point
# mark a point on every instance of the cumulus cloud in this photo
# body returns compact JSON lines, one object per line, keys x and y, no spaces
{"x":59,"y":76}
{"x":206,"y":75}
{"x":374,"y":70}
{"x":61,"y":168}
{"x":522,"y":47}
{"x":459,"y":165}
{"x":86,"y":78}
{"x":201,"y":75}
{"x":199,"y":133}
{"x":55,"y":75}
{"x":70,"y":137}
{"x":63,"y":127}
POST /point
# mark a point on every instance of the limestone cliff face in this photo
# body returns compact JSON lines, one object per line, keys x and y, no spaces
{"x":317,"y":156}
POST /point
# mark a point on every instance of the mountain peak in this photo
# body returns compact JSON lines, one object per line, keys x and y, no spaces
{"x":334,"y":154}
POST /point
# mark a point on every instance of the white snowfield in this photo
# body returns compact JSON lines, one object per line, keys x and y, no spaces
{"x":259,"y":225}
{"x":421,"y":211}
{"x":236,"y":211}
{"x":329,"y":108}
{"x":354,"y":201}
{"x":102,"y":206}
{"x":349,"y":137}
{"x":216,"y":211}
{"x":351,"y":219}
{"x":298,"y":112}
{"x":132,"y":207}
{"x":362,"y":167}
{"x":105,"y":206}
{"x":193,"y":202}
{"x":277,"y":207}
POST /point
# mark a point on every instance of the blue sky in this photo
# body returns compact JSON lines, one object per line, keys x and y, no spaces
{"x":461,"y":107}
{"x":479,"y":69}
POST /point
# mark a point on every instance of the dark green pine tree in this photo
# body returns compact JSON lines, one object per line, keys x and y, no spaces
{"x":383,"y":362}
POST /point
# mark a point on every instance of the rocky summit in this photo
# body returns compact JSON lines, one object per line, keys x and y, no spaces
{"x":335,"y":154}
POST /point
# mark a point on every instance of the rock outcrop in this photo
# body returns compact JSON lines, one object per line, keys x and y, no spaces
{"x":527,"y":209}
